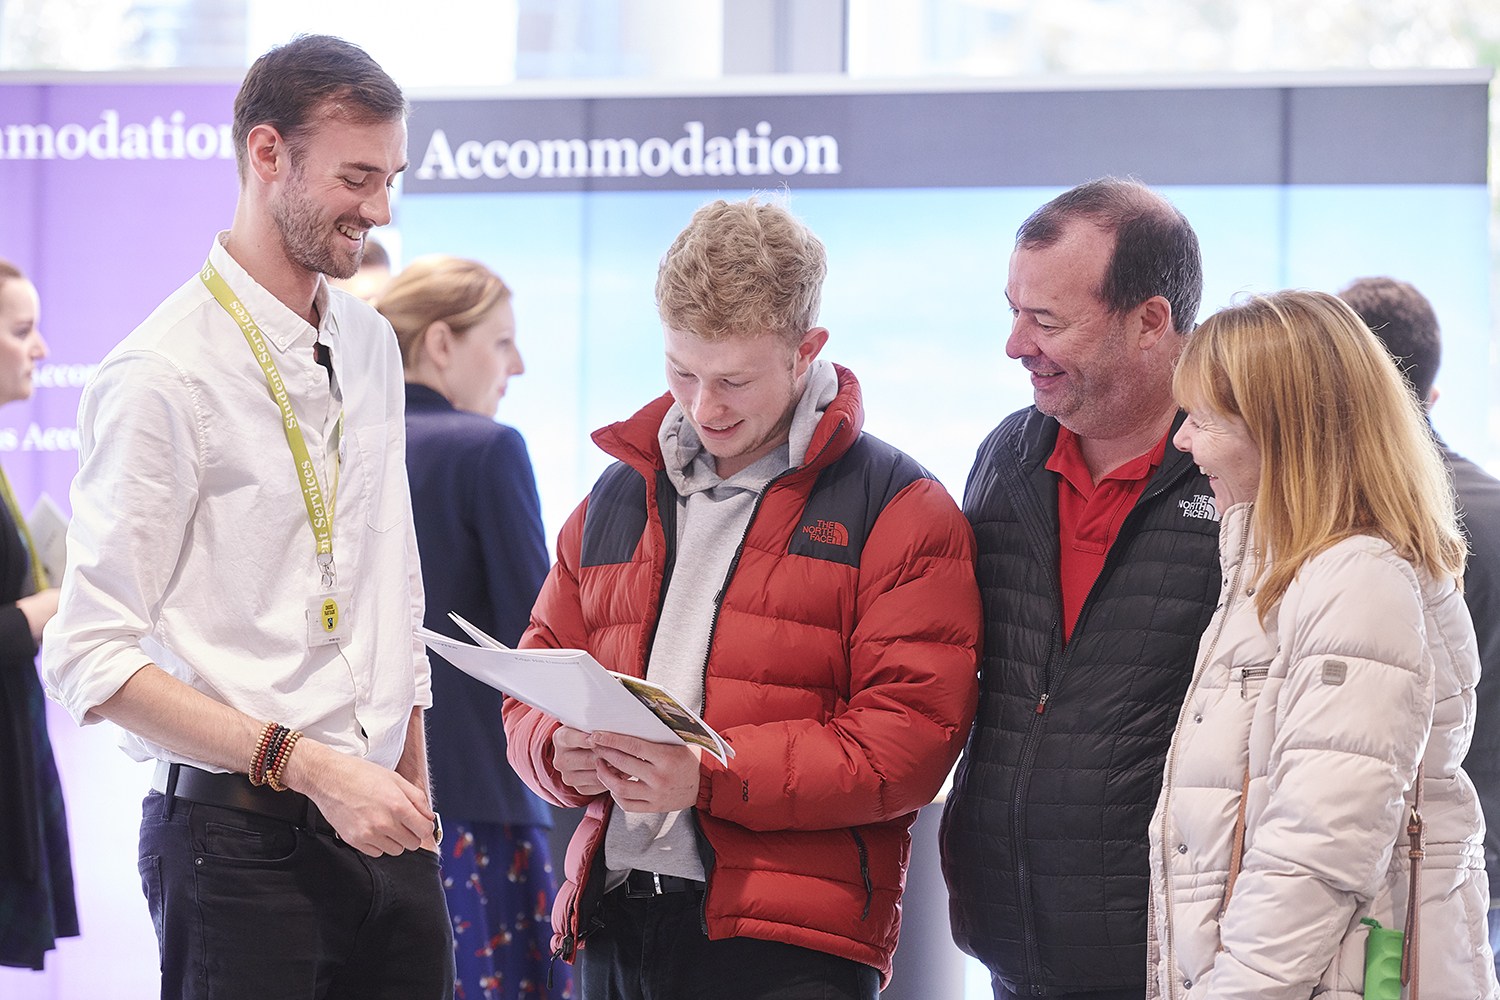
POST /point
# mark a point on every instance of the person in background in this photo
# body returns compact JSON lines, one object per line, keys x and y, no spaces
{"x":804,"y":586}
{"x":374,"y":272}
{"x":479,"y":532}
{"x":1404,"y":321}
{"x":36,"y":872}
{"x":1333,"y":697}
{"x":243,"y":588}
{"x":1098,"y":565}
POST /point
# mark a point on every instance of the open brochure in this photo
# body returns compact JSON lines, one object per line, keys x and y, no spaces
{"x":48,"y":526}
{"x":572,"y":686}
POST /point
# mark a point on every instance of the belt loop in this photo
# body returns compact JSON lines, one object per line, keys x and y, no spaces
{"x":656,"y":882}
{"x":170,"y":790}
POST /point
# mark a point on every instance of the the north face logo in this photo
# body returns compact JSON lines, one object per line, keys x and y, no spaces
{"x":827,"y":532}
{"x":1199,"y":506}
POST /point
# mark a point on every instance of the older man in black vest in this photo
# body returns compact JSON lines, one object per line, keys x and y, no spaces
{"x":1098,"y":565}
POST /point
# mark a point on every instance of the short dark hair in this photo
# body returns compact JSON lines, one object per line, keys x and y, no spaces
{"x":1406,"y":324}
{"x":1156,"y":251}
{"x":290,"y":85}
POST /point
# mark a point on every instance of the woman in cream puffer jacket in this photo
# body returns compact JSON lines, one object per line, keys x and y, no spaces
{"x":1340,"y":658}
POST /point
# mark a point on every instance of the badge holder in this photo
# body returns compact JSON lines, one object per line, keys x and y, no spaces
{"x":328,"y":613}
{"x":328,"y":618}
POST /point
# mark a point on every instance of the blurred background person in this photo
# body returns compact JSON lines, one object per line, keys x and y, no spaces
{"x":374,"y":272}
{"x":484,"y":555}
{"x":36,"y":873}
{"x":1405,"y":322}
{"x":1334,"y":694}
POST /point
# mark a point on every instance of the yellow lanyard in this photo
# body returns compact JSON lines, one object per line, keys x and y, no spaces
{"x":38,"y":571}
{"x":319,"y":512}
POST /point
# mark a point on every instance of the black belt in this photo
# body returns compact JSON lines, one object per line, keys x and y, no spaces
{"x":234,"y":791}
{"x":643,"y":885}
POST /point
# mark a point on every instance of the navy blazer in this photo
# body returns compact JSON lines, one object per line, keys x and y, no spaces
{"x":479,"y":532}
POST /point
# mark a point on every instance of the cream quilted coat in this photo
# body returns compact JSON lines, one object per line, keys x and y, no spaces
{"x":1330,"y":704}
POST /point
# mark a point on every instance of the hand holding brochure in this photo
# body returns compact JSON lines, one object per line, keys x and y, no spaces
{"x":572,"y":686}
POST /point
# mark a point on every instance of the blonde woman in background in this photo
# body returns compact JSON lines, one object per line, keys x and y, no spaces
{"x":479,"y":533}
{"x":36,"y":873}
{"x":1334,"y":686}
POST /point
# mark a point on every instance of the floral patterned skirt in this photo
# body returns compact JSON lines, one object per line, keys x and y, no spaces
{"x":498,"y":879}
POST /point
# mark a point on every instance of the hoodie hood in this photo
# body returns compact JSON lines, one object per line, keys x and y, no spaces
{"x":691,"y":468}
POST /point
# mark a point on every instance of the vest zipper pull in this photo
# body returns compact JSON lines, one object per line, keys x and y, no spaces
{"x":1041,"y":706}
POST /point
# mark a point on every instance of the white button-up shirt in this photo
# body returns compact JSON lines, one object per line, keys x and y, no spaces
{"x":190,"y":545}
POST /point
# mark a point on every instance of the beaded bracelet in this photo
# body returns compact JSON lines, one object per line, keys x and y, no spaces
{"x":278,"y":740}
{"x":257,"y":770}
{"x":277,"y":771}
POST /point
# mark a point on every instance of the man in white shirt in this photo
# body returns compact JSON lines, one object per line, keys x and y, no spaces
{"x":243,"y":579}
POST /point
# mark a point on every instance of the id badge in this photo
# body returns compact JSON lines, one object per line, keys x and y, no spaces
{"x":328,"y":618}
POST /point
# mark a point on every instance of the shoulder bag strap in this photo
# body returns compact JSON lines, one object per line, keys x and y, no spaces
{"x":1237,"y":848}
{"x":1415,"y":852}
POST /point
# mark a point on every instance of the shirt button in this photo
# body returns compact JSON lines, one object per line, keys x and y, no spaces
{"x":1197,"y":718}
{"x":1181,"y":848}
{"x":1187,"y":984}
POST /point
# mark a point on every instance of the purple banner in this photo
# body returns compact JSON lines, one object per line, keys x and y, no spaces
{"x":109,"y":197}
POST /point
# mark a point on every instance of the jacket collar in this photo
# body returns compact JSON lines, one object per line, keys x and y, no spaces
{"x":423,"y":397}
{"x":1174,"y":462}
{"x":1234,"y":535}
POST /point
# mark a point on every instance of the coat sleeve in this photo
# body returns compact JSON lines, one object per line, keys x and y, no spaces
{"x":913,"y":689}
{"x":1352,"y":718}
{"x":556,"y":623}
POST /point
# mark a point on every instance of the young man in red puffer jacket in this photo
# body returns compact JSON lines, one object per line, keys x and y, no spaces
{"x":808,"y":588}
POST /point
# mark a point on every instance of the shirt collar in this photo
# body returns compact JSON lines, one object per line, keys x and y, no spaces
{"x":281,"y":327}
{"x":1067,"y":461}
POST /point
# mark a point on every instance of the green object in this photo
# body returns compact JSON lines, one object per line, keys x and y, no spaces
{"x":1382,"y":962}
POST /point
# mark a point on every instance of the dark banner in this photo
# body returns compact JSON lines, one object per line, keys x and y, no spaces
{"x":1427,"y":133}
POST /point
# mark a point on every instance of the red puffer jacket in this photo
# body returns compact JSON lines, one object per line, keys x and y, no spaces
{"x":841,"y":668}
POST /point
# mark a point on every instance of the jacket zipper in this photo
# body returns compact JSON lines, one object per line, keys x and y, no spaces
{"x":1022,"y":495}
{"x":1051,"y":680}
{"x":713,"y":621}
{"x":864,"y":871}
{"x":573,"y":933}
{"x":1017,"y":822}
{"x":1169,"y":962}
{"x":1249,"y":674}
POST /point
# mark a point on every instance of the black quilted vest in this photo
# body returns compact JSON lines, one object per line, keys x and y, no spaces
{"x":1044,"y":835}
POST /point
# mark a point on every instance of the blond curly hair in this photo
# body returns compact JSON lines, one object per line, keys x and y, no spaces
{"x":742,"y":269}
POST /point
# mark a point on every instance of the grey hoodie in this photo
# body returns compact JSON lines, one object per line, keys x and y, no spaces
{"x":713,"y":515}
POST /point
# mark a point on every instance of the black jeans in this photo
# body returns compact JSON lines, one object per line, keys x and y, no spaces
{"x":250,"y":907}
{"x":655,"y":949}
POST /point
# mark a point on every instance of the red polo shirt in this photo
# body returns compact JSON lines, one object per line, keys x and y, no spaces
{"x":1089,"y":516}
